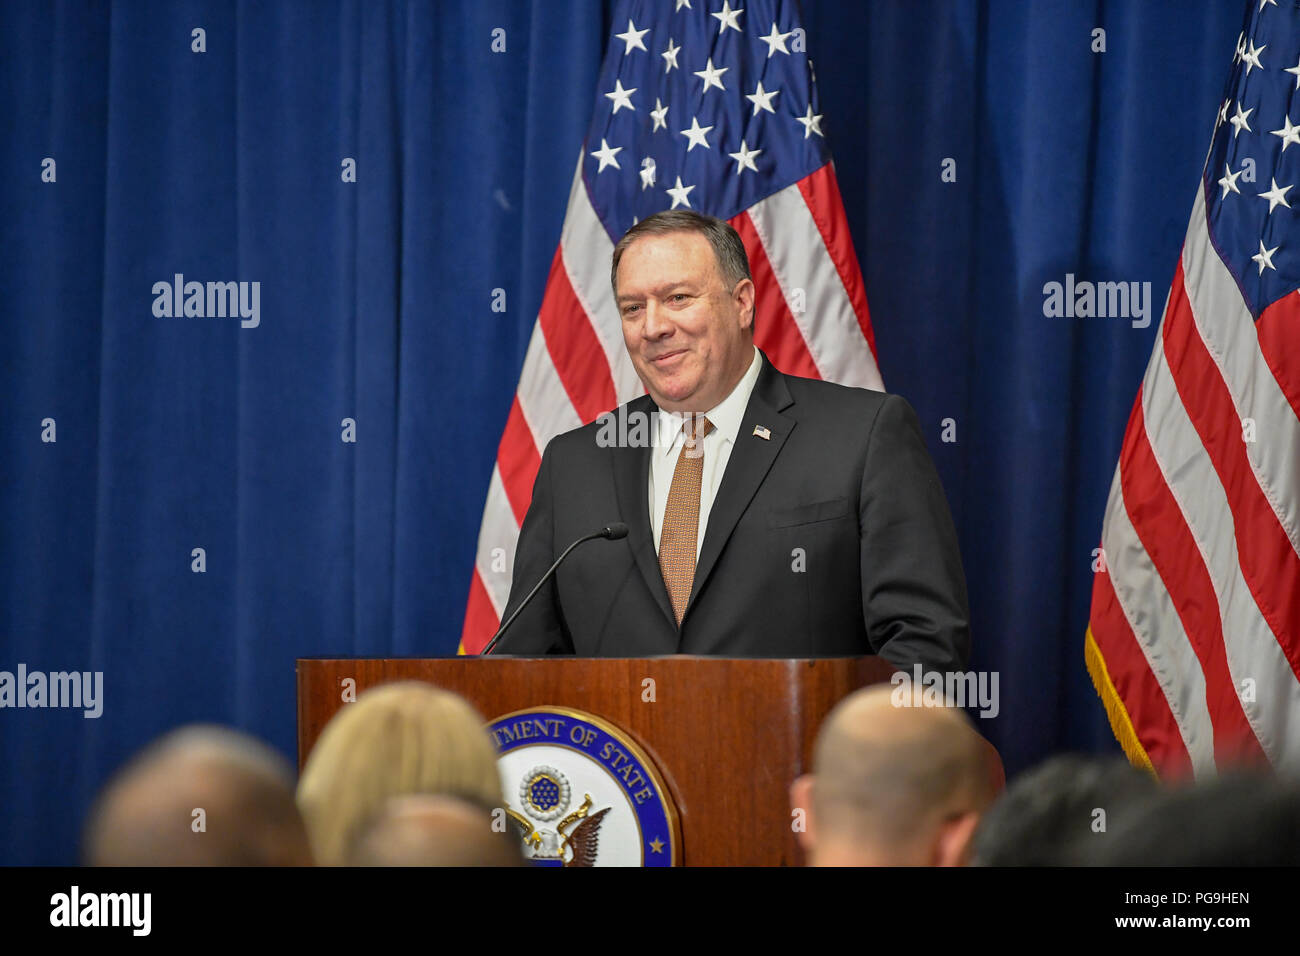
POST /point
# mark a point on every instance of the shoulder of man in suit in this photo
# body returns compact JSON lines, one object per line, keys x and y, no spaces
{"x":816,"y":393}
{"x":630,"y":425}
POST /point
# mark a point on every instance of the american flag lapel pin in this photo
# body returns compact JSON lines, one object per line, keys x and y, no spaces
{"x":762,"y":433}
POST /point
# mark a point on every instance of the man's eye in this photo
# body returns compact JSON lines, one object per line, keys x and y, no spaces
{"x":679,"y":297}
{"x":629,"y":309}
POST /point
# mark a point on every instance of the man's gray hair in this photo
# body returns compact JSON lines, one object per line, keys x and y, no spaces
{"x":728,"y":249}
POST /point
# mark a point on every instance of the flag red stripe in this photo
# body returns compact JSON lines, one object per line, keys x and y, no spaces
{"x":480,"y":619}
{"x":775,"y":331}
{"x":1279,"y":329}
{"x":518,"y":461}
{"x":574,"y":347}
{"x":1169,"y":543}
{"x":1264,"y":550}
{"x":821,"y":191}
{"x":1136,"y":686}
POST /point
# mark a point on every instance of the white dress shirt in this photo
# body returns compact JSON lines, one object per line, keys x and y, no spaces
{"x":669,"y":436}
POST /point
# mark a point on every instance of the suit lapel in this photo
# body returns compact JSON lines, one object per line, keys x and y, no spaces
{"x":632,"y":485}
{"x":751,"y":459}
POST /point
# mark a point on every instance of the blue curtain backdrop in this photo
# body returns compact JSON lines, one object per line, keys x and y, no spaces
{"x":183,"y":433}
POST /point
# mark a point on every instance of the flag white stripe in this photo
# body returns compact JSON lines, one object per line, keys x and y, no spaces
{"x":498,"y":530}
{"x":1151,"y":614}
{"x":542,"y":397}
{"x":587,"y":252}
{"x":800,"y":260}
{"x":1228,"y":330}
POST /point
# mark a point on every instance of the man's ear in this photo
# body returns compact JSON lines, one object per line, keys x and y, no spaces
{"x":952,"y":845}
{"x":801,"y":815}
{"x":743,"y":296}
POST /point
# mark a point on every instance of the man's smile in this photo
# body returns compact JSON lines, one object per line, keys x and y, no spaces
{"x":667,"y":358}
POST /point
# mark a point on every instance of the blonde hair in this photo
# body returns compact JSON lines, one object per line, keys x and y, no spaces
{"x":397,"y":739}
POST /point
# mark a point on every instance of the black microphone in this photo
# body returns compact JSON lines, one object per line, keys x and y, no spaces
{"x":611,"y":532}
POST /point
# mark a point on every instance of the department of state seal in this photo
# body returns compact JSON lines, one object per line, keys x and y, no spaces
{"x":581,"y":792}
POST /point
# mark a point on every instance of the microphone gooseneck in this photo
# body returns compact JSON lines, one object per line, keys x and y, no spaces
{"x":611,"y":532}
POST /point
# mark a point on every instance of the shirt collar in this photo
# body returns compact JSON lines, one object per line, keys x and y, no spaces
{"x":726,"y":416}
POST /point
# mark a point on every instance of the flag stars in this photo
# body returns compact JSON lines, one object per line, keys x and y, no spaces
{"x":1264,"y":3}
{"x":1251,"y":58}
{"x":1239,"y":121}
{"x":632,"y":38}
{"x":621,"y":97}
{"x":606,"y":156}
{"x":762,"y":99}
{"x":679,"y":194}
{"x":1289,"y":134}
{"x":726,"y":17}
{"x":811,"y":124}
{"x":1229,"y":182}
{"x":660,"y":116}
{"x":1223,"y":112}
{"x":1276,"y":196}
{"x":696,"y":134}
{"x":1265,"y":258}
{"x":682,"y":4}
{"x":745,"y":158}
{"x":1294,"y":71}
{"x":711,"y":77}
{"x":776,"y":41}
{"x":670,"y":57}
{"x":1241,"y":47}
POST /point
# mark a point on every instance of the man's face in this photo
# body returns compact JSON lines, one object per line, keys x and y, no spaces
{"x":688,"y":335}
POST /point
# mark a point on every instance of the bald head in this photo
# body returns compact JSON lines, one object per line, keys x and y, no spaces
{"x":427,"y":830}
{"x":893,"y":785}
{"x":200,"y":796}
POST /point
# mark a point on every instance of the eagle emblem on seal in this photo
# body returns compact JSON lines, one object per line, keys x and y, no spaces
{"x":545,"y":795}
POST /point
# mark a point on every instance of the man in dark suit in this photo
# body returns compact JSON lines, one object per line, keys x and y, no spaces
{"x":767,"y":515}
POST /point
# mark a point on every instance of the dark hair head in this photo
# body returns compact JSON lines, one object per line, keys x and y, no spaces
{"x":1242,"y":819}
{"x":1060,"y":812}
{"x":728,"y":249}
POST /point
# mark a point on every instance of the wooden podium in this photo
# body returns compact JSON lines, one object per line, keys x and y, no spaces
{"x":728,"y":736}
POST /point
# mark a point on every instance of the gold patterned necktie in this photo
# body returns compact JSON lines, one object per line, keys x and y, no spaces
{"x":679,"y":536}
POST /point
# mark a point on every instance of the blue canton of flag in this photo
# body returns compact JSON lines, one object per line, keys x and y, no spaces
{"x":1251,"y":221}
{"x":700,"y":105}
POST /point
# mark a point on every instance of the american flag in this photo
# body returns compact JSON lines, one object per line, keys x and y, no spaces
{"x":706,"y":105}
{"x":1194,"y":637}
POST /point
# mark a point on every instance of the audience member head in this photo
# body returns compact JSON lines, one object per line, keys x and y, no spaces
{"x":1242,"y":819}
{"x":1060,"y":812}
{"x":396,"y":739}
{"x":199,"y":796}
{"x":893,"y":785}
{"x":433,"y":831}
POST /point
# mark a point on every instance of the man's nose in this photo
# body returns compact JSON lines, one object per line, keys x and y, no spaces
{"x":657,"y":323}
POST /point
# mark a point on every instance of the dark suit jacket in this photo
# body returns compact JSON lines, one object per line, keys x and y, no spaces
{"x":833,"y":537}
